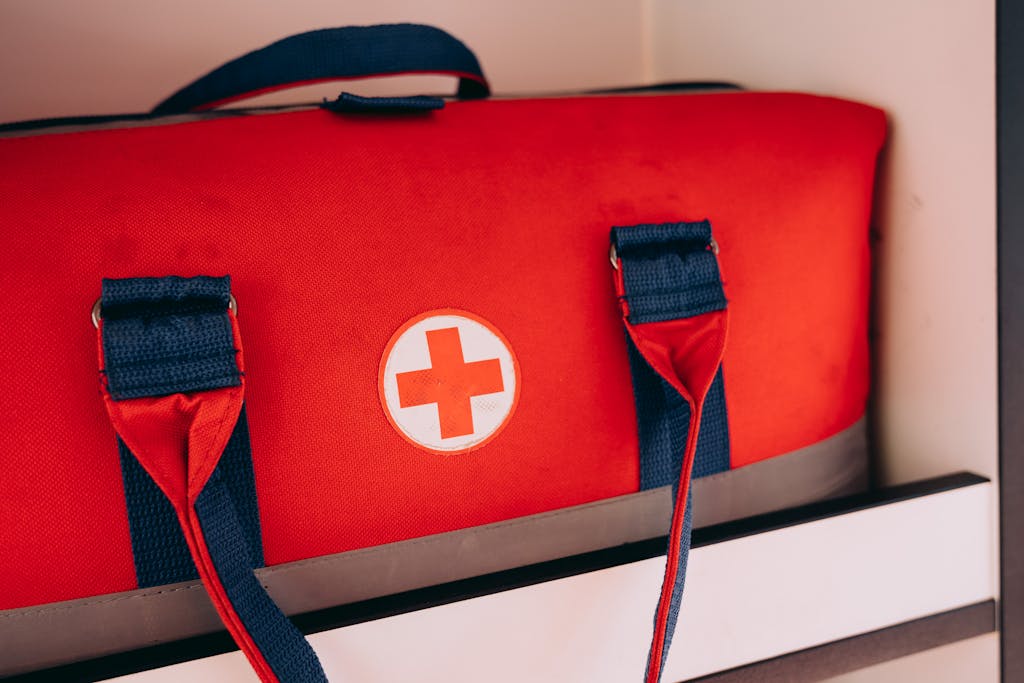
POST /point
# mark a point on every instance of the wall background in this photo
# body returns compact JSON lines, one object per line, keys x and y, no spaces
{"x":64,"y":57}
{"x":930,"y":63}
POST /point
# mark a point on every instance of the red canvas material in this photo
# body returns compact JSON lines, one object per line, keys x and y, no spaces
{"x":339,"y":230}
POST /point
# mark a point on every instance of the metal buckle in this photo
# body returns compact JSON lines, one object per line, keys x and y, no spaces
{"x":97,"y":310}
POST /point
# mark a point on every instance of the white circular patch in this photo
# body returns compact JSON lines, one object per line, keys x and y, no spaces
{"x":449,"y":381}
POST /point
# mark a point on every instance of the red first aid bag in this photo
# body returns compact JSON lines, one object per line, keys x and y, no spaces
{"x":322,"y":329}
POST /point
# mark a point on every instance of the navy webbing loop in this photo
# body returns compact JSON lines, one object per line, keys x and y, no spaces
{"x":146,"y":323}
{"x":673,"y":271}
{"x":164,"y":336}
{"x":347,"y":103}
{"x":670,"y":272}
{"x":334,"y":53}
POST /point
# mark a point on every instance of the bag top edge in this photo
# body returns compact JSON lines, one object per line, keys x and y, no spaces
{"x":69,"y":124}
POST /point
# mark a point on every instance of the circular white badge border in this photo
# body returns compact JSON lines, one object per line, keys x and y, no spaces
{"x":510,"y":365}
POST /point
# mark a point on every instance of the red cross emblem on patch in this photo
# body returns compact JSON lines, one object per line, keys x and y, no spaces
{"x":449,"y":381}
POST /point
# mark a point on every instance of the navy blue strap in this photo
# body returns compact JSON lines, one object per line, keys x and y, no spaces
{"x":673,"y":270}
{"x":677,"y":588}
{"x":158,"y":547}
{"x":174,"y":335}
{"x":282,"y":645}
{"x":145,"y":320}
{"x":347,"y":103}
{"x":163,"y":336}
{"x":662,"y":420}
{"x":334,"y":53}
{"x":669,"y":272}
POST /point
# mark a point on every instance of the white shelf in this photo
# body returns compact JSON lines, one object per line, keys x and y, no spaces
{"x":749,"y":597}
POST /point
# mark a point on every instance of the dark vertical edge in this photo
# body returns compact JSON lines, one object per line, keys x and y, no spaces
{"x":1010,"y":252}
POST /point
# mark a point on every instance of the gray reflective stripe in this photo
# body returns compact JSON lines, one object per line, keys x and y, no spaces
{"x":833,"y":467}
{"x":48,"y":635}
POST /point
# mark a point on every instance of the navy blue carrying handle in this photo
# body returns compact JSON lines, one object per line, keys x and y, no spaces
{"x":334,"y":53}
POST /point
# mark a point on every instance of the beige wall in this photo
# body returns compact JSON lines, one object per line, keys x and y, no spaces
{"x":931,"y":65}
{"x":67,"y":57}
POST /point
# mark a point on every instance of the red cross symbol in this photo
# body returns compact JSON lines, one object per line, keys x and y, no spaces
{"x":449,"y":382}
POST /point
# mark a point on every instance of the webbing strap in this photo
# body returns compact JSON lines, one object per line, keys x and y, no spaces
{"x":331,"y":54}
{"x":167,"y":335}
{"x":281,"y":644}
{"x":159,"y":549}
{"x":145,"y":322}
{"x":173,"y":383}
{"x":347,"y":103}
{"x":663,"y":418}
{"x":673,"y":307}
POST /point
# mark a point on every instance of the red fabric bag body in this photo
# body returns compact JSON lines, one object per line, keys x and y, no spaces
{"x":339,"y":231}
